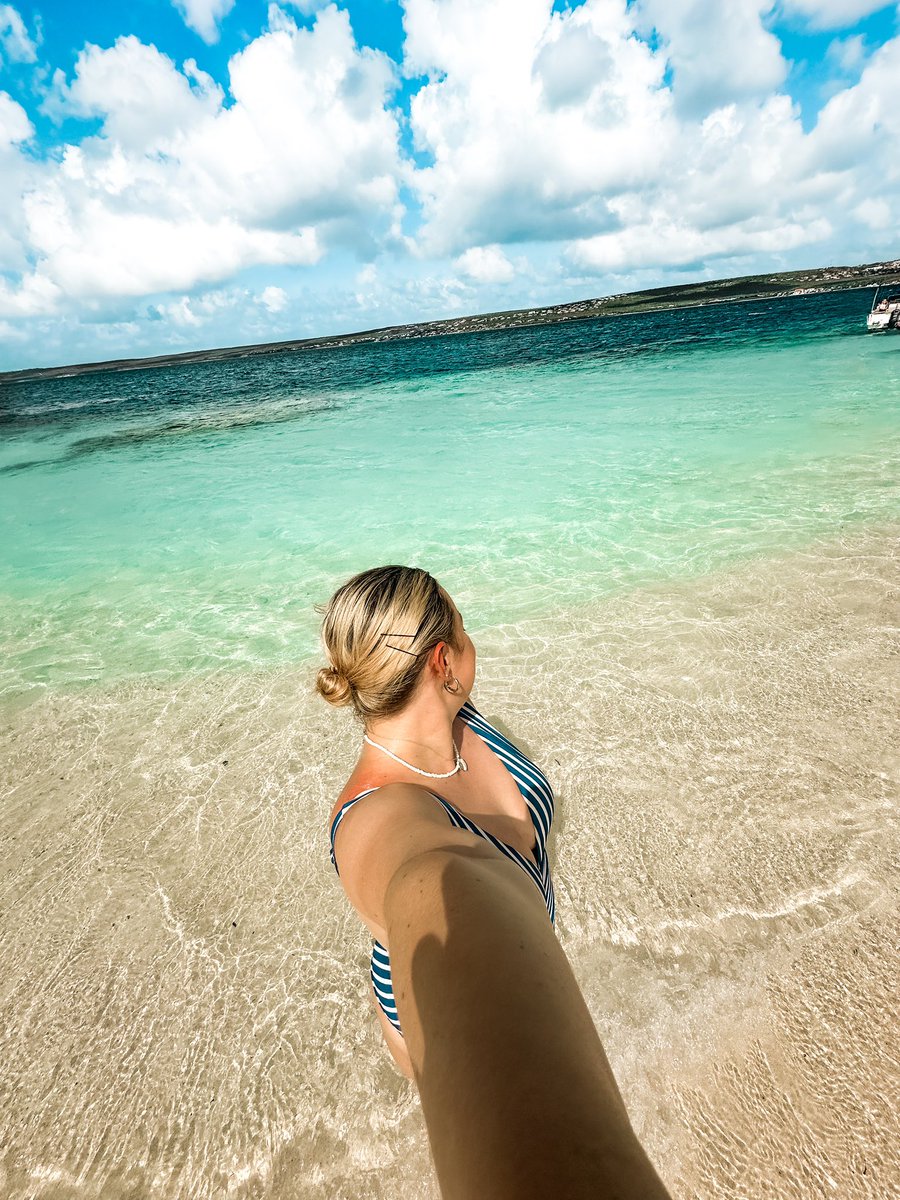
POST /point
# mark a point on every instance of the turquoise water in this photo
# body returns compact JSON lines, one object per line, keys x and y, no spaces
{"x":165,"y":521}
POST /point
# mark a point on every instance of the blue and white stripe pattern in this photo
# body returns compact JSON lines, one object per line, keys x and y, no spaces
{"x":538,"y":796}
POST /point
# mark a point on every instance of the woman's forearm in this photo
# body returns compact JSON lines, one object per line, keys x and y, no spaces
{"x":517,"y":1093}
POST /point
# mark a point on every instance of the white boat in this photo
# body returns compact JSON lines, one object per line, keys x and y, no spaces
{"x":884,"y":314}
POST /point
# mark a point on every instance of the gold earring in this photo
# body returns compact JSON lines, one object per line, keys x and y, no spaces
{"x":456,"y":689}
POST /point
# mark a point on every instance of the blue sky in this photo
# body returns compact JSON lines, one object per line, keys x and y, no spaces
{"x":213,"y":172}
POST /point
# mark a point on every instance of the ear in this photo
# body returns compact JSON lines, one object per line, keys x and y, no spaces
{"x":438,"y":659}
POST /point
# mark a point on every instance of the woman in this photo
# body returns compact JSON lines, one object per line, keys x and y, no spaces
{"x":439,"y":840}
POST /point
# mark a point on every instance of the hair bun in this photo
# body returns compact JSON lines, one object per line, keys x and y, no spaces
{"x":333,"y":686}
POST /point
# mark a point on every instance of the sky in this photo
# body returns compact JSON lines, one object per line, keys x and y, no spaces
{"x":183,"y":174}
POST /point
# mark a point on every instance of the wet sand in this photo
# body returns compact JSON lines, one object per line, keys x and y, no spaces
{"x":183,"y":1008}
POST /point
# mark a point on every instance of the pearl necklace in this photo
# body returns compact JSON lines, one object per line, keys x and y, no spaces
{"x":461,"y":764}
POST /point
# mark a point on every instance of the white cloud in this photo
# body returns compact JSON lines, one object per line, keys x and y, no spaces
{"x":273,"y":299}
{"x":876,"y":214}
{"x":179,"y":312}
{"x":180,"y":189}
{"x":144,"y":101}
{"x":747,"y":186}
{"x":570,"y":65}
{"x":15,"y":43}
{"x":309,"y":132}
{"x":559,"y":127}
{"x":857,"y":132}
{"x":191,"y":312}
{"x":203,"y":16}
{"x":577,"y":138}
{"x":833,"y":14}
{"x":15,"y":128}
{"x":718,"y":52}
{"x":93,"y":250}
{"x":35,"y":296}
{"x":667,"y":242}
{"x":847,"y":53}
{"x":14,"y":123}
{"x":486,"y":264}
{"x":521,"y":152}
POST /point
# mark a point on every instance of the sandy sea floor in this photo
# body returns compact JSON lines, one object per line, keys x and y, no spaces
{"x":183,"y":1009}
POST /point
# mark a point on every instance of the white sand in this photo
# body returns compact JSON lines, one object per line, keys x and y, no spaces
{"x":182,"y":984}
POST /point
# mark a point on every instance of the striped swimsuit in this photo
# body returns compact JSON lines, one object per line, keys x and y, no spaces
{"x":538,"y":797}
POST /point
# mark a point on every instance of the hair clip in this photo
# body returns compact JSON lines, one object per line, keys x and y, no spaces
{"x":411,"y":636}
{"x":411,"y":653}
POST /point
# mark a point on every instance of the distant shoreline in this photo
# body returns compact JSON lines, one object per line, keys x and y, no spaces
{"x":779,"y":285}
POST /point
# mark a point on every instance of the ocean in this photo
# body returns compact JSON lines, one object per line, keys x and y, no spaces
{"x":674,"y":539}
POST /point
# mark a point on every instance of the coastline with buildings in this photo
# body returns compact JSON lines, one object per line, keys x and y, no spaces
{"x":689,"y":295}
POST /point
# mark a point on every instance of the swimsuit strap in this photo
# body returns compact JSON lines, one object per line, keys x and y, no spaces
{"x":533,"y":784}
{"x":342,"y":811}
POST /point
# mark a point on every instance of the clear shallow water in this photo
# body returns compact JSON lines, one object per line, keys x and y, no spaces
{"x":183,"y":1008}
{"x":679,"y":538}
{"x":179,"y":519}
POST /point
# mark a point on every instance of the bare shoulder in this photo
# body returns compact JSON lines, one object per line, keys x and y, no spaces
{"x":380,"y":808}
{"x":380,"y":833}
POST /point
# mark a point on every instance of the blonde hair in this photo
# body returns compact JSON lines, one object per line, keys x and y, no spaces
{"x":377,"y":630}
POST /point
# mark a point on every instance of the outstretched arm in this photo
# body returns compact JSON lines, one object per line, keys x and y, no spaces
{"x":517,"y":1093}
{"x":518,"y":1097}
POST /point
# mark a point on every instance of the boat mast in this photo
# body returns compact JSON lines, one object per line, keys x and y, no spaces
{"x":875,"y":297}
